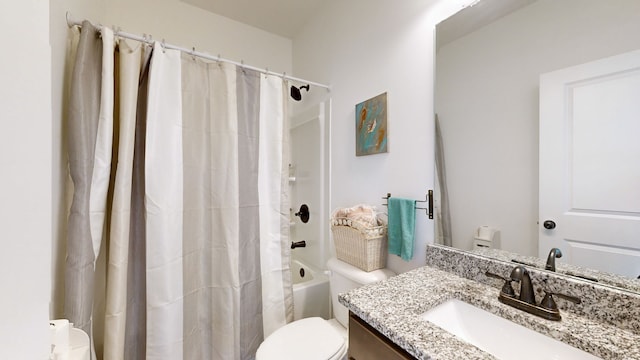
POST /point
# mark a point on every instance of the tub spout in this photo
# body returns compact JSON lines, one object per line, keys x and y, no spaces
{"x":298,"y":244}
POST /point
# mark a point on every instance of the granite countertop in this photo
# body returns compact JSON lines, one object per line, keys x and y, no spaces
{"x":601,"y":277}
{"x":394,"y":306}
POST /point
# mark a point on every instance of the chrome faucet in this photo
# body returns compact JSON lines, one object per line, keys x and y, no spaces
{"x":551,"y":259}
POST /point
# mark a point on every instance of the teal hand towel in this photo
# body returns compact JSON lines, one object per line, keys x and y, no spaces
{"x":402,"y":225}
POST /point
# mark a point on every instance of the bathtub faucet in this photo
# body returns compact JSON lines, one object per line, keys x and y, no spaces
{"x":298,"y":244}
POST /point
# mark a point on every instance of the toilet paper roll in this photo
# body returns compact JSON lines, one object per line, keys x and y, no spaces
{"x":485,"y":233}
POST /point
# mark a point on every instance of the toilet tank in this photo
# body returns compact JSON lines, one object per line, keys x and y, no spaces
{"x":344,"y":277}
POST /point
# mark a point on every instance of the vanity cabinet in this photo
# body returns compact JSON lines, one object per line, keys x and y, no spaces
{"x":366,"y":343}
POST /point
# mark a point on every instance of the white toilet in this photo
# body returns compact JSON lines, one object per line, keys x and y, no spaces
{"x":315,"y":338}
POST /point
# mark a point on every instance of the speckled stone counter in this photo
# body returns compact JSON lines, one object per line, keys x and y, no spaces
{"x":601,"y":303}
{"x":393,"y":307}
{"x":602,"y":278}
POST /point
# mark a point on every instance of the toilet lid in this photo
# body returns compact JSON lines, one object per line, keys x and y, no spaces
{"x":310,"y":338}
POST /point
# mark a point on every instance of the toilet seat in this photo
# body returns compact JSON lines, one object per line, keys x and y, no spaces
{"x":310,"y":339}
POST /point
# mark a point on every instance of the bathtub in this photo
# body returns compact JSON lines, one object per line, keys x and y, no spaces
{"x":311,"y":295}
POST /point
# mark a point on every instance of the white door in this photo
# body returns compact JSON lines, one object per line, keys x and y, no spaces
{"x":590,"y":164}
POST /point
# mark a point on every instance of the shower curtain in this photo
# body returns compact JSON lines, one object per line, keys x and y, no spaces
{"x":182,"y":186}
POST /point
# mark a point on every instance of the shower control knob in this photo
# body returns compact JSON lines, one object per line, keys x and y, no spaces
{"x":549,"y":224}
{"x":303,"y":213}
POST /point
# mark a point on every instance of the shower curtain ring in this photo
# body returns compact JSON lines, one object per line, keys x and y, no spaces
{"x":193,"y":53}
{"x":164,"y":49}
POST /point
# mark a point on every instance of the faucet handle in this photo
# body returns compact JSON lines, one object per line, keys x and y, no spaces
{"x":549,"y":303}
{"x":496,"y":276}
{"x":507,"y":289}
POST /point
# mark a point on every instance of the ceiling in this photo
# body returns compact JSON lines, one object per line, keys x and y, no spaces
{"x":287,"y":17}
{"x":281,"y":17}
{"x":474,"y":17}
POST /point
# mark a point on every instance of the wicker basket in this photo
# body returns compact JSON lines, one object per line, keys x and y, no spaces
{"x":361,"y":246}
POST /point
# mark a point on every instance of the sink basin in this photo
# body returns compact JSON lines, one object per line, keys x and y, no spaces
{"x":498,"y":336}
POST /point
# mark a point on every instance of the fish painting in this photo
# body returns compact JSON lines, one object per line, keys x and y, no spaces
{"x":371,"y":126}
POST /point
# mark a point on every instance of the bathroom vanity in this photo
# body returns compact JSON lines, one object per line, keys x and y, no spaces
{"x":365,"y":342}
{"x":606,"y":324}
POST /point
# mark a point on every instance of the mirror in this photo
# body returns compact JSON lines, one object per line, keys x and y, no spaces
{"x":488,"y":64}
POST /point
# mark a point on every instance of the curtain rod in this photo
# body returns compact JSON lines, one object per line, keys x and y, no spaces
{"x":193,"y":52}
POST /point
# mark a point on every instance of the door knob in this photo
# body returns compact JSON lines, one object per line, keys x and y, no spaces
{"x":549,"y":224}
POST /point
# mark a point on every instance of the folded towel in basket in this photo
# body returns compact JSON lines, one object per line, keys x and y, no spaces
{"x":402,"y":221}
{"x":363,"y":215}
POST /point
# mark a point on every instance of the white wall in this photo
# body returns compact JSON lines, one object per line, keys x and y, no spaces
{"x":487,"y":86}
{"x":363,"y":48}
{"x":25,"y":185}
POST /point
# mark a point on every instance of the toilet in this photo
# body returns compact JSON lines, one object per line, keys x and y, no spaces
{"x":315,"y":338}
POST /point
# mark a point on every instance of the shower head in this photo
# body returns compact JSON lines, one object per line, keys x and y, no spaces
{"x":295,"y":92}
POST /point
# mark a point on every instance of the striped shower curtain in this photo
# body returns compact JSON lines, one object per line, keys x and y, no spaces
{"x":194,"y":207}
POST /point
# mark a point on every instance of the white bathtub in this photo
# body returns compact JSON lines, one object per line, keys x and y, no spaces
{"x":311,"y":295}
